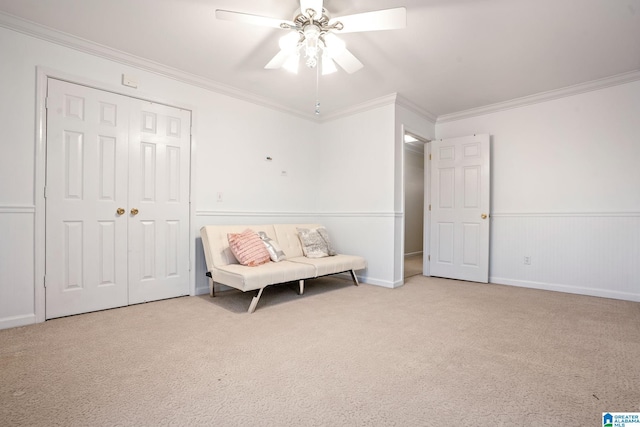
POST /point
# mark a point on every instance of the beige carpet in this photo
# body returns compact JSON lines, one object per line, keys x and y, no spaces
{"x":432,"y":353}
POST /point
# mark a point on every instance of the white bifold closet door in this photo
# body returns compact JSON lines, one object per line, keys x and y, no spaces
{"x":117,"y":200}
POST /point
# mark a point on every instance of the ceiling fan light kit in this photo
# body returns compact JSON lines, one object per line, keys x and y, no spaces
{"x":313,"y":38}
{"x":313,"y":34}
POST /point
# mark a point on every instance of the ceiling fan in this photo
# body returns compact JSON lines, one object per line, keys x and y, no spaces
{"x":313,"y":34}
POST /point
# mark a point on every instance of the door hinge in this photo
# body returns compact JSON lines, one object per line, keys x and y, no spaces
{"x":46,"y":103}
{"x":44,"y":280}
{"x":429,"y":156}
{"x":428,"y":257}
{"x":429,"y":207}
{"x":45,"y":191}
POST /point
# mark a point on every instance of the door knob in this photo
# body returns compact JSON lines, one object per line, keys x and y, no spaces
{"x":483,"y":216}
{"x":134,"y":211}
{"x":120,"y":211}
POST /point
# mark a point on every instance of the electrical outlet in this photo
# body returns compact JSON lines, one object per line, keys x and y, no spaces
{"x":527,"y":260}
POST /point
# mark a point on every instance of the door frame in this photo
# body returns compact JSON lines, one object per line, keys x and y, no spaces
{"x":42,"y":76}
{"x":427,"y":200}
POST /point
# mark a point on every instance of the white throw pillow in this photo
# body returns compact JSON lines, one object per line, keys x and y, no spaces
{"x":275,"y":252}
{"x":315,"y":242}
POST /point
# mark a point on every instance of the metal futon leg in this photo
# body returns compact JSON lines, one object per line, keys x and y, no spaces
{"x":211,"y":291}
{"x":254,"y":301}
{"x":354,"y":277}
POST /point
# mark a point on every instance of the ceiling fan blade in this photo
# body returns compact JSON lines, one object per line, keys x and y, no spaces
{"x":247,"y":18}
{"x":346,"y":60}
{"x":278,"y":60}
{"x":311,"y":4}
{"x":387,"y":19}
{"x":337,"y":50}
{"x":328,"y":66}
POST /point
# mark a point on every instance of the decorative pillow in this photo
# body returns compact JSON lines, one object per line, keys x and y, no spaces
{"x":248,"y":248}
{"x":315,"y":242}
{"x":275,"y":252}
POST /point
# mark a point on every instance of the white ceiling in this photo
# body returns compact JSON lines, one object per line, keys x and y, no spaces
{"x":454,"y":54}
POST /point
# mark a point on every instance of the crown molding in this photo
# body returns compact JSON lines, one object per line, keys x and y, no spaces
{"x":593,"y":85}
{"x":391,"y":99}
{"x":404,"y":102}
{"x":43,"y":32}
{"x":360,"y":108}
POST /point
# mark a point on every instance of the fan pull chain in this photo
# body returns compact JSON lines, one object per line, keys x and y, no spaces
{"x":317,"y":91}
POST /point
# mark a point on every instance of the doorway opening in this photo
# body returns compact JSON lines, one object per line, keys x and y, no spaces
{"x":414,"y":204}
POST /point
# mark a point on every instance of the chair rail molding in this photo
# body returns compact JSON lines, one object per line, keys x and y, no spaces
{"x":13,"y":209}
{"x":214,"y":213}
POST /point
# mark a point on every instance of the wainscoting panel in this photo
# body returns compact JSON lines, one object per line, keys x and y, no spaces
{"x":17,"y":303}
{"x":584,"y":253}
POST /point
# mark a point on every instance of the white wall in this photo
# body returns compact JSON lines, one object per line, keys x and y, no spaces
{"x":355,"y":192}
{"x":232,"y":138}
{"x":361,"y":185}
{"x":565,"y":192}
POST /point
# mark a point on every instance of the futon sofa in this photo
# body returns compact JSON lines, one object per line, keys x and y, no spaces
{"x":224,"y":268}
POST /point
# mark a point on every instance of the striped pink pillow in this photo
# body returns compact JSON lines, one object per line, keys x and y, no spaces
{"x":248,"y":248}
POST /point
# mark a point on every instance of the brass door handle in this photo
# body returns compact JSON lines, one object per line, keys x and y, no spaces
{"x":134,"y":211}
{"x":120,"y":211}
{"x":483,"y":216}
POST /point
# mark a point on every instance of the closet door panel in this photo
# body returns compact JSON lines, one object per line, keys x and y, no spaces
{"x":117,"y":200}
{"x":159,"y":191}
{"x":86,"y":183}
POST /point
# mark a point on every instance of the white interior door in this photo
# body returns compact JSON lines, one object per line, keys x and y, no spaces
{"x":86,"y":184}
{"x":159,"y":146}
{"x":460,"y":197}
{"x":117,"y":200}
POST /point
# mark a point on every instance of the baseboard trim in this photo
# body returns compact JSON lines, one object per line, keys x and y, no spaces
{"x":602,"y":293}
{"x":377,"y":282}
{"x":368,"y":280}
{"x":410,"y":254}
{"x":15,"y":321}
{"x":201,"y":290}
